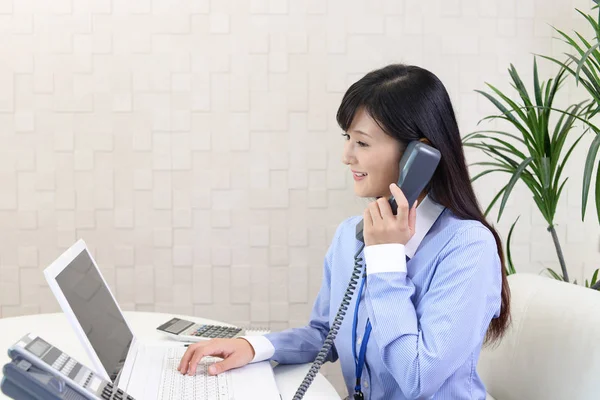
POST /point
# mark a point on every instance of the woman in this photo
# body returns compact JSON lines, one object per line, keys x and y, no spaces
{"x":435,"y":287}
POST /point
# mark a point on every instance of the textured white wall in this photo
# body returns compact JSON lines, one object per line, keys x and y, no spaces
{"x":193,"y":144}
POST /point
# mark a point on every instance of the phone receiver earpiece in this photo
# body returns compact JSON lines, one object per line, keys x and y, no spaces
{"x":417,"y":166}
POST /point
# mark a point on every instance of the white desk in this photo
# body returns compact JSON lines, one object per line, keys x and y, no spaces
{"x":55,"y":329}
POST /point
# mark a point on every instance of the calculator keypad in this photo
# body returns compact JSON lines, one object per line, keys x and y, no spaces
{"x":215,"y":331}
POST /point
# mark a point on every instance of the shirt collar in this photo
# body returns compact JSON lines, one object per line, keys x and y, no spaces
{"x":427,"y":213}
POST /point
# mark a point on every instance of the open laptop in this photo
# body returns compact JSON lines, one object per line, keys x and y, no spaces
{"x":145,"y":370}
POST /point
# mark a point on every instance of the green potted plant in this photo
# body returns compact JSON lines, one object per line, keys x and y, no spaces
{"x":584,"y":65}
{"x":534,"y":151}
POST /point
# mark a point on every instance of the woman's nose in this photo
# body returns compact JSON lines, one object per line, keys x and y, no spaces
{"x":347,"y":156}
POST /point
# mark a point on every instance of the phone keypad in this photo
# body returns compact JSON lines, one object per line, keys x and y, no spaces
{"x":60,"y":362}
{"x":68,"y":367}
{"x":114,"y":393}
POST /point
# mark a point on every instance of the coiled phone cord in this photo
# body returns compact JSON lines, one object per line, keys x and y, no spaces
{"x":333,"y":331}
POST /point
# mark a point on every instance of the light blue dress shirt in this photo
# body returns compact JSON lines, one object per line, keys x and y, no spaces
{"x":429,"y":314}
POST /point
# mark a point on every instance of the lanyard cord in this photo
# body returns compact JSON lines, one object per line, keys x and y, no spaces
{"x":355,"y":321}
{"x":360,"y":362}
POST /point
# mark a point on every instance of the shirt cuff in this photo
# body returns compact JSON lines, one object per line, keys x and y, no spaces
{"x":388,"y":257}
{"x":263,"y":348}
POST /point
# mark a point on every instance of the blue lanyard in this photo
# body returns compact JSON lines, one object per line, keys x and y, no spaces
{"x":359,"y":364}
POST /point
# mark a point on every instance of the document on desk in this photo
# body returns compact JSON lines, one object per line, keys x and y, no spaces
{"x":257,"y":381}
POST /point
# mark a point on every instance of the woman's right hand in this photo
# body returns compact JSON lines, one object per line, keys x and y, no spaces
{"x":235,"y":353}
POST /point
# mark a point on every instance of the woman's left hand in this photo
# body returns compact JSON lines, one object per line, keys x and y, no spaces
{"x":382,"y":226}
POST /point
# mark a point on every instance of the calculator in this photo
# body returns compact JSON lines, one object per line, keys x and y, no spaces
{"x":38,"y":370}
{"x":188,"y":331}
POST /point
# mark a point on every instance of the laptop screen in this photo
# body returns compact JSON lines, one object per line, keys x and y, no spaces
{"x":97,"y":312}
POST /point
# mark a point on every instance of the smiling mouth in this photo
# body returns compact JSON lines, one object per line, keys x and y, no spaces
{"x":358,"y":176}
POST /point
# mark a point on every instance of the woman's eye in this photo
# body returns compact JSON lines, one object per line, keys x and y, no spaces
{"x":347,"y":137}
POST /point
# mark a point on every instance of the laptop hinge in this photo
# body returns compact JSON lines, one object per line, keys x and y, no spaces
{"x":125,"y":373}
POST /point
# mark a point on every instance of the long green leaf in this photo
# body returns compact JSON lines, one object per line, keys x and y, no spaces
{"x":547,"y":92}
{"x":587,"y":173}
{"x":508,"y":146}
{"x":569,"y":40}
{"x":591,"y":82}
{"x":560,"y":166}
{"x":494,"y":200}
{"x":554,"y":274}
{"x":490,"y":164}
{"x":558,"y":129}
{"x":531,"y":117}
{"x":592,"y":22}
{"x":525,"y":176}
{"x":543,"y":134}
{"x":493,"y":154}
{"x":489,"y":171}
{"x":529,"y":179}
{"x":519,"y":86}
{"x":536,"y":84}
{"x":561,"y":132}
{"x":479,"y":135}
{"x":554,"y":202}
{"x":505,"y":147}
{"x":497,"y":156}
{"x":584,"y":59}
{"x":560,"y":189}
{"x":595,"y":59}
{"x":511,"y":265}
{"x":558,"y":81}
{"x":511,"y":184}
{"x":598,"y":191}
{"x":526,"y":135}
{"x":595,"y":128}
{"x":514,"y":107}
{"x":594,"y":277}
{"x":491,"y":151}
{"x":585,"y":84}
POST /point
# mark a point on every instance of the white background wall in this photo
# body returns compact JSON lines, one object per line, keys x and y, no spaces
{"x":193,"y":144}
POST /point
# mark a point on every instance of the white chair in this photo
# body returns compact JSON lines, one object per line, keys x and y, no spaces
{"x":552,"y":349}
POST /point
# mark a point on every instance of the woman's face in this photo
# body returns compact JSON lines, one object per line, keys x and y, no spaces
{"x":372,"y":155}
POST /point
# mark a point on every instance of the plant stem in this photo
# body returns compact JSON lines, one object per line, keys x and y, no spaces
{"x":559,"y":252}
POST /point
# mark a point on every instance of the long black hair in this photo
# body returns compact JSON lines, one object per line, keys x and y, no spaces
{"x":410,"y":103}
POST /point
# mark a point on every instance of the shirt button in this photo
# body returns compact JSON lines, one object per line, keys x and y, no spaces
{"x":366,"y":384}
{"x":359,"y":340}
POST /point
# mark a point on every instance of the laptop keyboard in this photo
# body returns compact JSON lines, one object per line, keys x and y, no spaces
{"x":202,"y":386}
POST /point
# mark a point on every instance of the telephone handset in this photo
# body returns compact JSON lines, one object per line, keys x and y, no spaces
{"x":417,"y":166}
{"x":39,"y":370}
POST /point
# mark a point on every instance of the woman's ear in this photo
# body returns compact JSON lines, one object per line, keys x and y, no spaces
{"x":425,"y":140}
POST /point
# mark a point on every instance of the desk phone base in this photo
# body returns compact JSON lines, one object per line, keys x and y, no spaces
{"x":39,"y":370}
